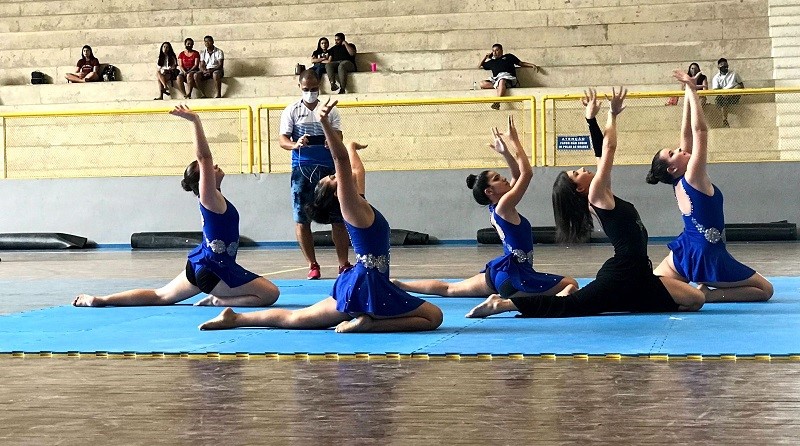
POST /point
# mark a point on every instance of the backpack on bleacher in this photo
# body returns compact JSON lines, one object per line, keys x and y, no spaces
{"x":38,"y":78}
{"x":109,"y":73}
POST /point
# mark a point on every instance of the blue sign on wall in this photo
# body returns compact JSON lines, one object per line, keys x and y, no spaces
{"x":579,"y":142}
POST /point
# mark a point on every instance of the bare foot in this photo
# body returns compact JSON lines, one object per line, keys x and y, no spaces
{"x":360,"y":324}
{"x":85,"y":300}
{"x":226,"y":319}
{"x":569,"y":289}
{"x":492,"y":305}
{"x":208,"y":301}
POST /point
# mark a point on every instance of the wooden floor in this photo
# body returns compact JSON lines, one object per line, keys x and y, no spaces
{"x":66,"y":401}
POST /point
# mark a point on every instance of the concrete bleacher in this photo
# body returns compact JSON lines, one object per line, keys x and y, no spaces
{"x":423,"y":48}
{"x":419,"y":45}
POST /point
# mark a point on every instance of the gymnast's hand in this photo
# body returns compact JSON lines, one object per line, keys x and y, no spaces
{"x":684,"y":78}
{"x":182,"y":111}
{"x":591,"y":103}
{"x":498,"y":145}
{"x":325,"y":110}
{"x":616,"y":100}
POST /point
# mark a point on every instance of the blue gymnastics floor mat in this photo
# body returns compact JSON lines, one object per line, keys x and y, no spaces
{"x":718,"y":329}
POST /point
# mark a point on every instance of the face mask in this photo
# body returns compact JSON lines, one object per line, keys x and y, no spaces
{"x":723,"y":70}
{"x":309,"y":97}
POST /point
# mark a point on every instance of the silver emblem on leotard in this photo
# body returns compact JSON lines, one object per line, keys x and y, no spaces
{"x":521,"y":256}
{"x":219,"y":247}
{"x":381,"y":263}
{"x":712,"y":235}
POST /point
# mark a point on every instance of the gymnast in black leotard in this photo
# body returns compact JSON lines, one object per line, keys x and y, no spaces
{"x":625,"y":282}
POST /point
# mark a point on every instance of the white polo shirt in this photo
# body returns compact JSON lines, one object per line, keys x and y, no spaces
{"x":213,"y":59}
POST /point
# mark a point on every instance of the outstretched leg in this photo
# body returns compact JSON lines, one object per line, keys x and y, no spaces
{"x":177,"y":290}
{"x":565,"y":287}
{"x":493,"y":304}
{"x":475,"y":286}
{"x":322,"y":314}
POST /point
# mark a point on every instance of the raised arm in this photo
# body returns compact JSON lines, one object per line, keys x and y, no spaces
{"x":686,"y":143}
{"x":592,"y":106}
{"x":351,"y":49}
{"x":355,"y":208}
{"x":357,"y":167}
{"x":484,"y":59}
{"x":210,"y":197}
{"x":520,"y":167}
{"x":600,"y":193}
{"x":696,"y":172}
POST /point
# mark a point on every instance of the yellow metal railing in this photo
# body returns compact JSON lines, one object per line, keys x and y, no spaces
{"x":756,"y":129}
{"x":412,"y":134}
{"x":408,"y":134}
{"x":131,"y":142}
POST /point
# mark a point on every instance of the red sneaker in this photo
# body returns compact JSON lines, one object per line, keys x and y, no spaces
{"x":313,"y":272}
{"x":345,"y":267}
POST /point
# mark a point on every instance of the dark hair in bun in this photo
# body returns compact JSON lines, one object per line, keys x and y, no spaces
{"x":191,"y":178}
{"x":479,"y":183}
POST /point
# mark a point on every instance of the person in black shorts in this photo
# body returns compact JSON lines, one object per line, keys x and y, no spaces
{"x":625,"y":282}
{"x":504,"y":71}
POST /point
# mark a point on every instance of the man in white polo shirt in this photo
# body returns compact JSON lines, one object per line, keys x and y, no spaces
{"x":212,"y":66}
{"x":726,"y":80}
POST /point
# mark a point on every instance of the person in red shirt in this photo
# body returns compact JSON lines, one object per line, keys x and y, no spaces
{"x":188,"y":62}
{"x":88,"y":68}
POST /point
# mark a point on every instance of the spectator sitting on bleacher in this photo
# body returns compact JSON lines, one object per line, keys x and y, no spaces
{"x":167,"y":69}
{"x":188,"y":64}
{"x":342,"y":60}
{"x":212,"y":65}
{"x":320,"y":56}
{"x":701,"y":81}
{"x":88,"y":68}
{"x":726,"y":80}
{"x":504,"y":71}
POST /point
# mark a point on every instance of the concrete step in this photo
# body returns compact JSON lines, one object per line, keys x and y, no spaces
{"x":459,"y":81}
{"x":113,"y":15}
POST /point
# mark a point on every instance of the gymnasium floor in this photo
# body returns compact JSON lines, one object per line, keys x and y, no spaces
{"x":90,"y":400}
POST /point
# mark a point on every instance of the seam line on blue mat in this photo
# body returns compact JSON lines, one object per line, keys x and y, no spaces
{"x":657,"y":349}
{"x":445,"y":338}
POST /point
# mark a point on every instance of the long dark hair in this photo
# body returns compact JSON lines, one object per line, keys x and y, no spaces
{"x":658,"y":171}
{"x":319,"y":44}
{"x":478,"y":184}
{"x":191,"y":178}
{"x":170,"y":57}
{"x":571,"y":211}
{"x":325,"y":204}
{"x":91,"y":53}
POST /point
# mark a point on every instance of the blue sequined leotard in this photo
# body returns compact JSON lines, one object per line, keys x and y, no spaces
{"x":366,"y":288}
{"x":217,"y":251}
{"x":515,"y":266}
{"x":699,"y":252}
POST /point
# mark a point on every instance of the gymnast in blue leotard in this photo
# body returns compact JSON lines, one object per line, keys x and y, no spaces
{"x":211,"y":267}
{"x":699,"y":253}
{"x":363,"y":298}
{"x":511,"y":274}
